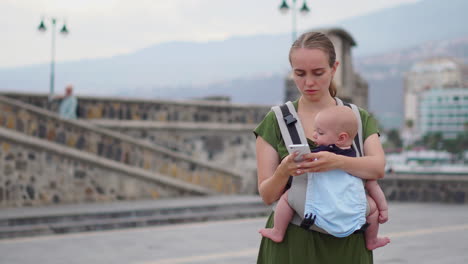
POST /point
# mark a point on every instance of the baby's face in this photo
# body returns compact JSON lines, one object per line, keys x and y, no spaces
{"x":324,"y":133}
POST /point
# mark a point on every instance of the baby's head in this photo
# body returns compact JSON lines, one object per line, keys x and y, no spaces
{"x":335,"y":125}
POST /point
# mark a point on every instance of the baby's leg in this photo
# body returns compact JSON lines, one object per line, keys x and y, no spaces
{"x":283,"y":215}
{"x":372,"y":241}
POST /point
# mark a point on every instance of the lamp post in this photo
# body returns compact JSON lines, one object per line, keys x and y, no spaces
{"x":284,"y":9}
{"x":291,"y":92}
{"x":63,"y":31}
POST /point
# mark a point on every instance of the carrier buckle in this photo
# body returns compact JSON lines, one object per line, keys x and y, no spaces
{"x":308,"y":221}
{"x":289,"y":119}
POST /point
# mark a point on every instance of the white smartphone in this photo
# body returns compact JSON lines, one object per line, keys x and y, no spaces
{"x":301,"y":148}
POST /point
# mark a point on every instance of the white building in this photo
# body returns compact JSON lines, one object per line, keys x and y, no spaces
{"x":426,"y":75}
{"x":443,"y":110}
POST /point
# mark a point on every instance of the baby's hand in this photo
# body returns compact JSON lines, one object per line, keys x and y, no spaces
{"x":383,"y":216}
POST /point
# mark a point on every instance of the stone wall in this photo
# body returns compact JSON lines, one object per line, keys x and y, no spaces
{"x":86,"y":137}
{"x":155,"y":110}
{"x":178,"y":149}
{"x":425,"y":188}
{"x":36,"y":172}
{"x":229,"y":146}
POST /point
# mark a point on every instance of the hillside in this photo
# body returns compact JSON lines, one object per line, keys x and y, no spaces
{"x":408,"y":25}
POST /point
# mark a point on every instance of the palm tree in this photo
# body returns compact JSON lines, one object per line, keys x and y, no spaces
{"x":410,"y":123}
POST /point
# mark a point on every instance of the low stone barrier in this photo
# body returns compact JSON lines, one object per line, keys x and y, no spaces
{"x":118,"y":108}
{"x":426,"y":188}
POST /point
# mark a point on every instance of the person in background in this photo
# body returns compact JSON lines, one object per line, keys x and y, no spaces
{"x":69,"y":104}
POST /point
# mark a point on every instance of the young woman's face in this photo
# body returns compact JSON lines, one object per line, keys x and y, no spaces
{"x":312,"y":73}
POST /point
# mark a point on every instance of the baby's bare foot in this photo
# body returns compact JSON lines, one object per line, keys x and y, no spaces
{"x":376,"y":243}
{"x":272,"y":234}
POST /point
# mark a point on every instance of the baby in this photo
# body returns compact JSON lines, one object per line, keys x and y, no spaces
{"x":335,"y":129}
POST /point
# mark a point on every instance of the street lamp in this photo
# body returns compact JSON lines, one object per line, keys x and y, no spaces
{"x":63,"y":31}
{"x":284,"y":9}
{"x":291,"y":90}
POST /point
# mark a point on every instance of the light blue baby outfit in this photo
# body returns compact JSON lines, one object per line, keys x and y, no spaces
{"x":336,"y":199}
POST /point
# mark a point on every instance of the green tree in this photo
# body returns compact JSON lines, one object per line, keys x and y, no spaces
{"x":433,"y":141}
{"x":451,"y":145}
{"x":456,"y":146}
{"x":409,"y":123}
{"x":394,"y":137}
{"x":460,"y":143}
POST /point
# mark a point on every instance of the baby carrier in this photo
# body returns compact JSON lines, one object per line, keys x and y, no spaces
{"x":332,"y":202}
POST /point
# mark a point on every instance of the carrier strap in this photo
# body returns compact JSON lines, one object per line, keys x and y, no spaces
{"x":289,"y":124}
{"x":290,"y":121}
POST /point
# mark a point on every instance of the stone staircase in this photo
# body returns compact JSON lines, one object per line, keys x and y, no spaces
{"x":29,"y":133}
{"x":62,"y":176}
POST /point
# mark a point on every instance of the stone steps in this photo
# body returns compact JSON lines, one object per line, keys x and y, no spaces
{"x":82,"y":218}
{"x":66,"y":141}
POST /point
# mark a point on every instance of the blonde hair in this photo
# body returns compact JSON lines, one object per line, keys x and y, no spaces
{"x":317,"y":40}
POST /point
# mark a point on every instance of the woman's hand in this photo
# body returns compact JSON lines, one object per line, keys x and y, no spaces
{"x":290,"y":167}
{"x":320,"y":162}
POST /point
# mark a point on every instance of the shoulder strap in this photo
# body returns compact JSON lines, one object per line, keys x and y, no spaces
{"x":358,"y":138}
{"x":289,"y":124}
{"x":298,"y":124}
{"x":358,"y":142}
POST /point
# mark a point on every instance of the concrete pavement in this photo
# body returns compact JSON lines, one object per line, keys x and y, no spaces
{"x":420,"y":233}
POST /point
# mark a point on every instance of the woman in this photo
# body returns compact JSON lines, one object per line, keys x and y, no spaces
{"x":313,"y":61}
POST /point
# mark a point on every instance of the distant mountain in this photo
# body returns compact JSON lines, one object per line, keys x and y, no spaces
{"x":161,"y":66}
{"x":262,"y":89}
{"x":251,"y":68}
{"x":384,"y":73}
{"x":408,"y":25}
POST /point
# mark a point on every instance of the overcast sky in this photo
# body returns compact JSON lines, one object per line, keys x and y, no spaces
{"x":104,"y":28}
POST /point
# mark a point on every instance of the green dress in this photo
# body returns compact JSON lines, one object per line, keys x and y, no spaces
{"x":304,"y":246}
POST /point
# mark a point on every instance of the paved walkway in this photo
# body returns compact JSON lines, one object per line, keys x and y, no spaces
{"x":420,"y":233}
